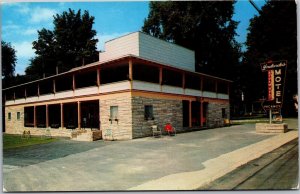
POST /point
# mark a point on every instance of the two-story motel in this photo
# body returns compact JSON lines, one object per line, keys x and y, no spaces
{"x":139,"y":81}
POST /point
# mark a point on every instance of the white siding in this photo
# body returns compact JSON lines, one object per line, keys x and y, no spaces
{"x":125,"y":85}
{"x":193,"y":92}
{"x":86,"y":91}
{"x":172,"y":89}
{"x":151,"y":48}
{"x":223,"y":96}
{"x":209,"y":94}
{"x":140,"y":85}
{"x":165,"y":52}
{"x":119,"y":47}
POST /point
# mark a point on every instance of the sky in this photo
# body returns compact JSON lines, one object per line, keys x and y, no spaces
{"x":21,"y":21}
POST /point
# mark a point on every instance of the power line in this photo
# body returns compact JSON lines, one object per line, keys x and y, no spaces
{"x":255,"y":6}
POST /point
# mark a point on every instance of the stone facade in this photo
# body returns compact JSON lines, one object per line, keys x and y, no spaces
{"x":214,"y":114}
{"x":120,"y":129}
{"x":164,"y":111}
{"x":14,"y":125}
{"x":131,"y":122}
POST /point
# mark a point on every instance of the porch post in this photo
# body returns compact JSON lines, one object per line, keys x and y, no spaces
{"x":160,"y":77}
{"x":74,"y":86}
{"x":201,"y":112}
{"x":47,"y":116}
{"x":190,"y":113}
{"x":61,"y":115}
{"x":201,"y":84}
{"x":98,"y":77}
{"x":34,"y":116}
{"x":183,"y":80}
{"x":228,"y":88}
{"x":38,"y":90}
{"x":130,"y":73}
{"x":216,"y":87}
{"x":78,"y":115}
{"x":54,"y":87}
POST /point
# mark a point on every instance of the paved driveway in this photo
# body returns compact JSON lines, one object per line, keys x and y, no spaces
{"x":118,"y":165}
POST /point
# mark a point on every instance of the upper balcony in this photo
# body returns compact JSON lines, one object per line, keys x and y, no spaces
{"x":124,"y":74}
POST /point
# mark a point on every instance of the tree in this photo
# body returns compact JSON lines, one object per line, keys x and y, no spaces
{"x":272,"y":36}
{"x":70,"y":44}
{"x":204,"y":26}
{"x":9,"y":60}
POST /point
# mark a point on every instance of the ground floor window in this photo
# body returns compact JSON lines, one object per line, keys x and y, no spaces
{"x":41,"y":116}
{"x":9,"y":116}
{"x":113,"y":113}
{"x":70,"y":115}
{"x":18,"y":115}
{"x":148,"y":112}
{"x":29,"y":116}
{"x":54,"y":113}
{"x":223,"y":113}
{"x":90,"y":114}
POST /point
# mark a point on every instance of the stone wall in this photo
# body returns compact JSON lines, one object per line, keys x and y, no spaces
{"x":214,"y":114}
{"x":164,"y":111}
{"x":14,"y":126}
{"x":120,"y":129}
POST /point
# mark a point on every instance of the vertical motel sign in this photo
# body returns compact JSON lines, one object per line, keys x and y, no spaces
{"x":276,"y":80}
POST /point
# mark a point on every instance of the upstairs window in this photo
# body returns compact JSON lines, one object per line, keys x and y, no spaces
{"x":149,"y":112}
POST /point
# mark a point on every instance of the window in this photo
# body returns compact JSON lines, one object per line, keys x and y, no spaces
{"x":9,"y":116}
{"x":149,"y":112}
{"x":29,"y":116}
{"x":223,"y":113}
{"x":113,"y":113}
{"x":18,"y":115}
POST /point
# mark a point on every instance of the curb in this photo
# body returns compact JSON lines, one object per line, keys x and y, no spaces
{"x":218,"y":167}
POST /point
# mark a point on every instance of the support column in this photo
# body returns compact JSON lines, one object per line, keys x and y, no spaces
{"x":130,"y":73}
{"x":216,"y":86}
{"x":190,"y":113}
{"x":160,"y":77}
{"x":47,"y":116}
{"x":34,"y":116}
{"x":201,"y":112}
{"x":78,"y":115}
{"x":201,"y":84}
{"x":38,"y":90}
{"x":54,"y":86}
{"x":61,"y":115}
{"x":228,"y":89}
{"x":14,"y":95}
{"x":98,"y":77}
{"x":74,"y":85}
{"x":183,"y":80}
{"x":25,"y":93}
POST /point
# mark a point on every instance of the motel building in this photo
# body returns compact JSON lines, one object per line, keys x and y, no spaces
{"x":139,"y":81}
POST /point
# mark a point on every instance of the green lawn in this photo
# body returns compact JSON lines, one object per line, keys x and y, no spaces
{"x":15,"y":141}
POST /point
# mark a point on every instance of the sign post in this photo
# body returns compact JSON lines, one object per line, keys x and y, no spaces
{"x":276,"y":79}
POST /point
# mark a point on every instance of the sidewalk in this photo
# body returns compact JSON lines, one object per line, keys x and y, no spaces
{"x":183,"y":162}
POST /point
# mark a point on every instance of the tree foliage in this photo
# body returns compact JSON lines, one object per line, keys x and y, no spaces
{"x":204,"y":26}
{"x":8,"y":63}
{"x":72,"y":43}
{"x":8,"y":59}
{"x":272,"y":36}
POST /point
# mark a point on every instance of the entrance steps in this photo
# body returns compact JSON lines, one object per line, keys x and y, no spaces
{"x":86,"y":135}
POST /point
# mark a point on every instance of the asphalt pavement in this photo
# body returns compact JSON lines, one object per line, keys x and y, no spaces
{"x":123,"y":165}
